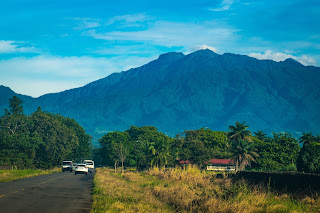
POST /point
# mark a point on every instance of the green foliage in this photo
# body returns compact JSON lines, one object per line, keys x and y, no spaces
{"x":115,"y":147}
{"x":15,"y":105}
{"x":146,"y":147}
{"x":278,"y":153}
{"x":239,"y":131}
{"x":309,"y":158}
{"x":243,"y":152}
{"x":307,"y":138}
{"x":260,"y":135}
{"x":41,"y":140}
{"x":141,"y":147}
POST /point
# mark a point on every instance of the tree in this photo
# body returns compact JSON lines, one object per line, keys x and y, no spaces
{"x":83,"y":150}
{"x":15,"y":105}
{"x":307,"y":138}
{"x":14,"y":117}
{"x":149,"y":147}
{"x":193,"y":148}
{"x":239,"y":131}
{"x":160,"y":153}
{"x":243,"y":152}
{"x":309,"y":158}
{"x":260,"y":135}
{"x":278,"y":153}
{"x":115,"y":148}
{"x":41,"y":140}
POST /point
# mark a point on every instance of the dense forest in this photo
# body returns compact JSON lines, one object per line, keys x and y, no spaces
{"x":43,"y":140}
{"x":145,"y":147}
{"x":40,"y":140}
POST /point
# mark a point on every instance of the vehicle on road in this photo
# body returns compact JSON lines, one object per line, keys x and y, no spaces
{"x":74,"y":166}
{"x":67,"y":165}
{"x":90,"y":165}
{"x":81,"y":169}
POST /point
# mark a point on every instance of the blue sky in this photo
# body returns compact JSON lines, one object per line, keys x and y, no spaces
{"x":53,"y":45}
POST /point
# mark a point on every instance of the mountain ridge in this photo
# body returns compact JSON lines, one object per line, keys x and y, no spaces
{"x":177,"y":92}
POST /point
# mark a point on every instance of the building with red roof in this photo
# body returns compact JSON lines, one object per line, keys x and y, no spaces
{"x":221,"y":165}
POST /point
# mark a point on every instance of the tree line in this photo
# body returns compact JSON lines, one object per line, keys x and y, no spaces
{"x":145,"y":147}
{"x":43,"y":140}
{"x":40,"y":140}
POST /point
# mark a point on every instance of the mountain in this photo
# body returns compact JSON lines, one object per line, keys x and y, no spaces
{"x":180,"y":92}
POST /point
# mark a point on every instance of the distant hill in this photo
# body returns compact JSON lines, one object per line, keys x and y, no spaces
{"x":180,"y":92}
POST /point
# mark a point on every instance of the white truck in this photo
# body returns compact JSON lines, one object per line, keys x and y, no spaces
{"x":67,"y":165}
{"x":90,"y":165}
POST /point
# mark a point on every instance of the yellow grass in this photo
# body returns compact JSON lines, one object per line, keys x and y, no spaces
{"x":116,"y":193}
{"x":10,"y":175}
{"x":189,"y":190}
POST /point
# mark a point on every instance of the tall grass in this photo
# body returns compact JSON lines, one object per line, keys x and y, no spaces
{"x":10,"y":175}
{"x":123,"y":193}
{"x":189,"y":190}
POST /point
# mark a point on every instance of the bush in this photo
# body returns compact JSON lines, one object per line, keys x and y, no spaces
{"x":309,"y":159}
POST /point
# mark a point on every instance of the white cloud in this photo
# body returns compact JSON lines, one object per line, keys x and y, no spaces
{"x":129,"y":19}
{"x":47,"y":74}
{"x":8,"y":46}
{"x":86,"y":23}
{"x":279,"y":56}
{"x":203,"y":47}
{"x":127,"y":50}
{"x":225,"y":5}
{"x":171,"y":34}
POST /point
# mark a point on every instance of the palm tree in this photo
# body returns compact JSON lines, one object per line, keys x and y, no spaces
{"x":239,"y":131}
{"x":260,"y":135}
{"x":243,"y":152}
{"x":307,"y":138}
{"x":159,"y":152}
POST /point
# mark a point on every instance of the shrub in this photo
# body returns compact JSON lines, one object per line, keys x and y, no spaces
{"x":309,"y":159}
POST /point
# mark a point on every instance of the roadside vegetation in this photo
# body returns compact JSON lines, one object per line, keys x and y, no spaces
{"x":10,"y":175}
{"x":41,"y":140}
{"x":189,"y":190}
{"x":145,"y":147}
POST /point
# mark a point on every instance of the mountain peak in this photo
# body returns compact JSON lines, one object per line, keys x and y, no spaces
{"x":292,"y":61}
{"x":205,"y":51}
{"x":171,"y":56}
{"x":4,"y":88}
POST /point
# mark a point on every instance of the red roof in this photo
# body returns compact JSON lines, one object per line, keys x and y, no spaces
{"x":221,"y":161}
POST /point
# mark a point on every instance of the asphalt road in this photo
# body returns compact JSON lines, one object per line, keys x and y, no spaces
{"x":58,"y":192}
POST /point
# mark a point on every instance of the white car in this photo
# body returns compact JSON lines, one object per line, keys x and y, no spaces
{"x":67,"y":165}
{"x":81,"y":169}
{"x":74,"y":166}
{"x":90,"y":165}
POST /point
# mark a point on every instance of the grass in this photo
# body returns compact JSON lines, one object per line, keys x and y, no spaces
{"x":190,"y":190}
{"x":124,"y":193}
{"x":10,"y":175}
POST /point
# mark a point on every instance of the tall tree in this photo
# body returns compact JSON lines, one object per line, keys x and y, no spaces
{"x":194,"y":149}
{"x":15,"y":105}
{"x":160,"y":152}
{"x":307,"y":138}
{"x":115,"y":148}
{"x":260,"y":135}
{"x":243,"y":152}
{"x":238,"y":131}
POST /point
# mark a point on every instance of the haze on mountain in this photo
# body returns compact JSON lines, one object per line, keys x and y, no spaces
{"x":180,"y":92}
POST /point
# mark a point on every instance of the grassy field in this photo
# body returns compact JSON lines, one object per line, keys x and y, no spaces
{"x":10,"y":175}
{"x":190,"y":190}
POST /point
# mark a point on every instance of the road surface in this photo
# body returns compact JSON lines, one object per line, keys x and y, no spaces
{"x":58,"y":192}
